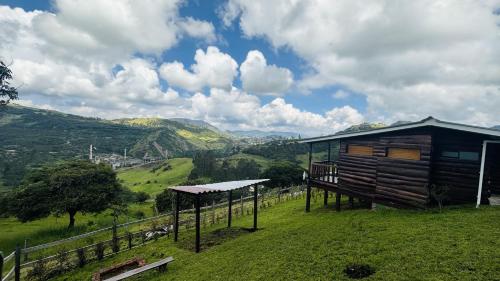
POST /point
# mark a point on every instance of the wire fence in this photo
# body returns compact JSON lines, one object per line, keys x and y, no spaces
{"x":53,"y":258}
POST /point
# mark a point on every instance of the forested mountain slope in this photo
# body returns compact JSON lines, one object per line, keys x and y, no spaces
{"x":30,"y":137}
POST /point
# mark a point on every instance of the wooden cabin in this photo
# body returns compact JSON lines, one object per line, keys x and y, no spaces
{"x":399,"y":165}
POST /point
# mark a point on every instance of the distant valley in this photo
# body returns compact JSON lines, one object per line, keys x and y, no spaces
{"x":30,"y":137}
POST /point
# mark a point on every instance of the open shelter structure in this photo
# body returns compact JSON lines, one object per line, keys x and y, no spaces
{"x":199,"y":190}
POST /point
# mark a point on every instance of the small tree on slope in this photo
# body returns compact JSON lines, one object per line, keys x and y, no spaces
{"x":66,"y":187}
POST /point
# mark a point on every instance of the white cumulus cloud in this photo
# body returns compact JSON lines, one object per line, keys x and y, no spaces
{"x":212,"y":69}
{"x":260,"y":78}
{"x":441,"y":55}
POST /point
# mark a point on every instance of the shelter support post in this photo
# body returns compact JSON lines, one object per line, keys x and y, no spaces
{"x":351,"y":201}
{"x":176,"y":223}
{"x":230,"y":208}
{"x":308,"y":194}
{"x":255,"y":195}
{"x":197,"y":223}
{"x":325,"y":198}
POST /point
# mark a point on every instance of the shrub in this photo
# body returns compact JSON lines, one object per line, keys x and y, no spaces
{"x":141,"y":196}
{"x":39,"y":271}
{"x":62,"y":260}
{"x":139,"y":215}
{"x":439,"y":193}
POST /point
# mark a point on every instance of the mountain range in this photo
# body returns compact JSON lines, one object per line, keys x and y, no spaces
{"x":31,"y":137}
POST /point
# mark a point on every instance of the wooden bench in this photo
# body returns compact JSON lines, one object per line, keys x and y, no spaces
{"x":161,"y":265}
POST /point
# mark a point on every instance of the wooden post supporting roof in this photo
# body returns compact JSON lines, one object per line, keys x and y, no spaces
{"x":197,"y":223}
{"x":230,"y":208}
{"x":176,"y":224}
{"x":308,"y":194}
{"x":325,"y":200}
{"x":255,"y":207}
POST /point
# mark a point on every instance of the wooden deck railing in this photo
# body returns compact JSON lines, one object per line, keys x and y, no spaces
{"x":324,"y":171}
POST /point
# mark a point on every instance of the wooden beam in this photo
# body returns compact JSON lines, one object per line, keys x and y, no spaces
{"x":230,"y":208}
{"x":176,"y":224}
{"x":197,"y":223}
{"x":338,"y":196}
{"x":255,"y":195}
{"x":351,"y":202}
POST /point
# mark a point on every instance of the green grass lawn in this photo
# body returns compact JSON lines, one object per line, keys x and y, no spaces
{"x":144,"y":179}
{"x":52,"y":228}
{"x":461,"y":243}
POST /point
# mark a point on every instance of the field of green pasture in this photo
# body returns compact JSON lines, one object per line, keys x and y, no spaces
{"x":154,"y":181}
{"x":459,"y":243}
{"x":54,"y":228}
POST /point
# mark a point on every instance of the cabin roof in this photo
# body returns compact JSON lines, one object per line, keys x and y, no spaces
{"x":216,"y":187}
{"x":427,"y":122}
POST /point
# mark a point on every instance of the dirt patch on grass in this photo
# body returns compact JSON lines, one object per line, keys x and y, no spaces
{"x":213,"y":238}
{"x":358,"y":271}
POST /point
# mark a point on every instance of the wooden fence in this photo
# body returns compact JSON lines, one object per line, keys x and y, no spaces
{"x":64,"y":260}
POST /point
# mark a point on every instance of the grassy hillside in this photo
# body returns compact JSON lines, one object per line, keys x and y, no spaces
{"x":31,"y":137}
{"x":262,"y":161}
{"x":457,"y":244}
{"x":153,"y":181}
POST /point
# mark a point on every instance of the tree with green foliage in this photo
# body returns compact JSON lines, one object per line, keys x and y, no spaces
{"x":141,"y":197}
{"x":66,"y":187}
{"x":283,"y":174}
{"x":165,"y":200}
{"x":7,"y":92}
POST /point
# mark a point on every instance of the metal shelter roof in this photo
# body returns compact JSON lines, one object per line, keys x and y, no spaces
{"x":216,"y":187}
{"x":429,"y":121}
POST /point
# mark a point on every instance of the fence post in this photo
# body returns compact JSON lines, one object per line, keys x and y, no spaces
{"x":115,"y":247}
{"x":17,"y":267}
{"x":25,"y":246}
{"x":241,"y":201}
{"x":129,"y":240}
{"x":1,"y":265}
{"x":213,"y":211}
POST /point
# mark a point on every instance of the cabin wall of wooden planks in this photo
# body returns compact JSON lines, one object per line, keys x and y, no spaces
{"x":406,"y":182}
{"x":460,"y":176}
{"x":399,"y":182}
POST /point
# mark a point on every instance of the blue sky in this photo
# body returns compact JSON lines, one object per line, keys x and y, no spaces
{"x":329,"y":64}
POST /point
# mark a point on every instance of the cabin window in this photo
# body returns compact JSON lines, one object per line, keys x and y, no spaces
{"x":360,"y":150}
{"x":461,"y":155}
{"x":467,"y":155}
{"x":450,"y":154}
{"x":403,"y":153}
